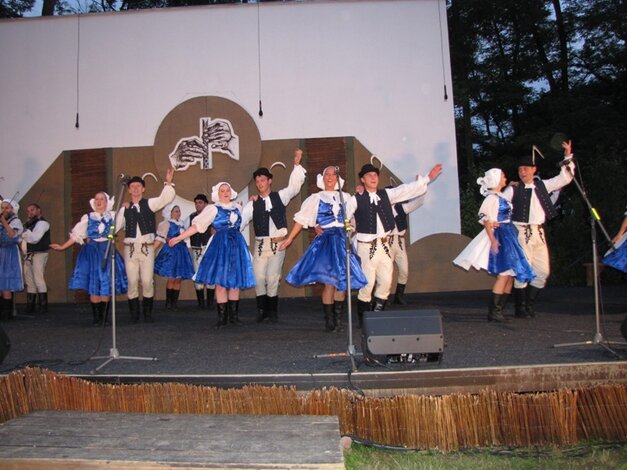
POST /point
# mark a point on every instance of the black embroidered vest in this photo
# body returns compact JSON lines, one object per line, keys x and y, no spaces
{"x":261,"y":217}
{"x":366,"y":213}
{"x":145,"y":218}
{"x":198,"y":240}
{"x":42,"y":245}
{"x":401,"y":217}
{"x":522,"y":201}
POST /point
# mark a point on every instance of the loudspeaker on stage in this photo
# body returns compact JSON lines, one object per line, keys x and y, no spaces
{"x":402,"y":336}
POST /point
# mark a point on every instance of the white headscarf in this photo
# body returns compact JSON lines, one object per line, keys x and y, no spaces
{"x":13,"y":203}
{"x":110,"y":202}
{"x":489,"y":180}
{"x":320,"y":180}
{"x":214,"y":191}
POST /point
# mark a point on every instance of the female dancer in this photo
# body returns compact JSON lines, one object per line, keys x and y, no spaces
{"x":173,"y":263}
{"x":227,"y":263}
{"x":496,"y":249}
{"x":89,"y":275}
{"x":325,"y":260}
{"x":11,"y":229}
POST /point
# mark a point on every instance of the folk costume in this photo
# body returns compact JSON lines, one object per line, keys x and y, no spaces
{"x":10,"y":261}
{"x":36,"y":239}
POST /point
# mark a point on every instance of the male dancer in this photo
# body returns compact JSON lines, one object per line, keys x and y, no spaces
{"x":198,"y":242}
{"x":532,"y":207}
{"x":36,"y":237}
{"x":374,"y":223}
{"x":138,"y":218}
{"x":267,"y":211}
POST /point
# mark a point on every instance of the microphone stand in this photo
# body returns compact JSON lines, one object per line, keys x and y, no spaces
{"x":110,"y":252}
{"x":595,"y":219}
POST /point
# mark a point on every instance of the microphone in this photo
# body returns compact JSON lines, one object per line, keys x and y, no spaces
{"x":337,"y":171}
{"x":124,"y":179}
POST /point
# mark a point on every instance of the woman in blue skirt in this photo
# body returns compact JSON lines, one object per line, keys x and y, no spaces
{"x":173,"y":263}
{"x":226,"y":263}
{"x":324,"y":261}
{"x":496,"y":249}
{"x":92,"y":233}
{"x":10,"y":261}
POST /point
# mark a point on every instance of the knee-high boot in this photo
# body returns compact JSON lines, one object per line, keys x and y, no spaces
{"x":31,"y":302}
{"x":174,"y":299}
{"x":222,"y":314}
{"x":200,"y":296}
{"x":104,"y":313}
{"x":43,"y":302}
{"x":338,"y":313}
{"x":211,"y":294}
{"x":361,"y":308}
{"x":168,"y":299}
{"x":379,"y":304}
{"x":520,"y":303}
{"x":147,"y":308}
{"x":531,"y":294}
{"x":234,"y":313}
{"x":95,"y":312}
{"x":262,"y":308}
{"x":329,"y":325}
{"x":495,"y":309}
{"x":133,"y":307}
{"x":273,"y":308}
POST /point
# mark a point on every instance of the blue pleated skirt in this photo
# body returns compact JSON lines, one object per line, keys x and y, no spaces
{"x":226,"y":261}
{"x":325,"y":262}
{"x":510,"y":256}
{"x":174,"y":262}
{"x":11,"y":278}
{"x":91,"y":277}
{"x":617,"y":259}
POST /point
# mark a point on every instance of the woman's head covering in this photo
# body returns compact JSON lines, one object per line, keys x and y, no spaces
{"x":167,"y":210}
{"x":320,"y":179}
{"x":13,"y":203}
{"x":110,"y":202}
{"x":489,"y":180}
{"x":216,"y":188}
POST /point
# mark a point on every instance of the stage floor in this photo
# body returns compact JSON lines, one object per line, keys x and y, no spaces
{"x":185,"y":342}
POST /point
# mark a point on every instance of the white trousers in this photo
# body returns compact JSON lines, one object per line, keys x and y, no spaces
{"x":377,"y":265}
{"x":139,"y":259}
{"x":533,"y":242}
{"x":267,"y":265}
{"x":196,"y":259}
{"x":398,"y":253}
{"x":34,"y":270}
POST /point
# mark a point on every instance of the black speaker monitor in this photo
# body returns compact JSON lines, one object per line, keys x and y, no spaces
{"x":402,"y":336}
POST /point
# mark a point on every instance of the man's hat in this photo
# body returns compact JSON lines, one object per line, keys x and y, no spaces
{"x":201,"y":197}
{"x":263,"y":171}
{"x":137,"y":179}
{"x":530,"y":160}
{"x":367,"y":168}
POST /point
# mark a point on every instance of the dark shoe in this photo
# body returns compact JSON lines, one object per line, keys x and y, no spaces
{"x":200,"y":296}
{"x":495,"y":310}
{"x":399,"y":296}
{"x":329,"y":324}
{"x":361,"y":308}
{"x":43,"y":302}
{"x":31,"y":302}
{"x":520,"y":303}
{"x":234,"y":313}
{"x":379,"y":305}
{"x":273,"y":308}
{"x":211,"y":293}
{"x":338,"y":313}
{"x":133,"y":307}
{"x":531,"y":294}
{"x":222,"y":314}
{"x":262,"y":308}
{"x":147,"y":309}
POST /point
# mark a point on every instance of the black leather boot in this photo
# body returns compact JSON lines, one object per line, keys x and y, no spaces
{"x":262,"y":308}
{"x":338,"y":313}
{"x":222,"y":314}
{"x":495,"y":309}
{"x":133,"y":307}
{"x":200,"y":296}
{"x":273,"y":308}
{"x":379,"y":305}
{"x":399,"y":296}
{"x":361,"y":308}
{"x":503,"y":302}
{"x":531,"y":292}
{"x":329,"y":324}
{"x":211,"y":294}
{"x":168,"y":299}
{"x":31,"y":302}
{"x":520,"y":303}
{"x":174,"y":299}
{"x":147,"y":309}
{"x":43,"y":302}
{"x":104,"y":313}
{"x":95,"y":312}
{"x":234,"y":313}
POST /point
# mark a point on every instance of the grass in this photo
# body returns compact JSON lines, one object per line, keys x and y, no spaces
{"x":585,"y":456}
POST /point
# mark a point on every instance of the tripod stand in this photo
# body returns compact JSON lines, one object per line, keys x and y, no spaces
{"x":598,"y":339}
{"x":110,"y":252}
